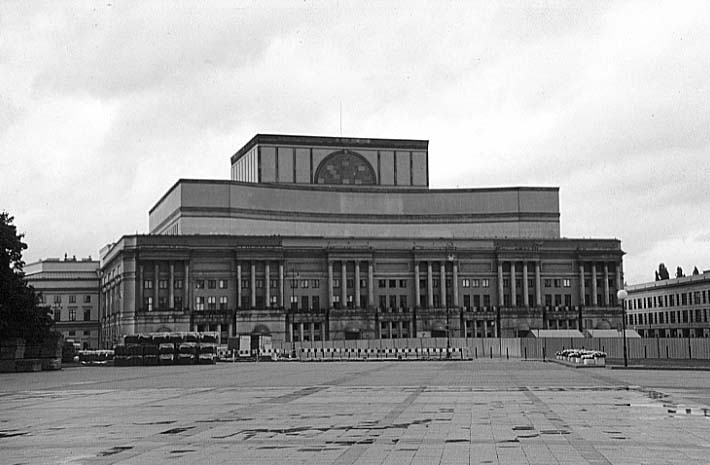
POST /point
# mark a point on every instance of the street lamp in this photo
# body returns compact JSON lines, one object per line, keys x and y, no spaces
{"x":621,"y":296}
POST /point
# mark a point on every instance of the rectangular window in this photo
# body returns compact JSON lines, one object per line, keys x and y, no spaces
{"x":403,"y":301}
{"x":383,"y":302}
{"x":381,"y":283}
{"x":403,"y":283}
{"x":557,"y":282}
{"x":315,"y":283}
{"x":223,"y":302}
{"x":211,"y":303}
{"x":212,"y":284}
{"x":72,"y":333}
{"x":486,"y":300}
{"x":199,"y":303}
{"x":393,"y":302}
{"x":350,"y":283}
{"x":336,"y":283}
{"x":336,"y":301}
{"x":178,"y":303}
{"x":392,"y":283}
{"x":273,"y":301}
{"x":467,"y":301}
{"x":87,"y":333}
{"x":87,"y":299}
{"x":435,"y":283}
{"x":273,"y":283}
{"x":200,"y":284}
{"x":363,"y":284}
{"x":304,"y":302}
{"x":223,"y":284}
{"x":506,"y":283}
{"x":548,"y":300}
{"x":465,"y":283}
{"x":57,"y":299}
{"x":548,"y":283}
{"x":246,"y":301}
{"x":566,"y":283}
{"x":568,"y":300}
{"x":245,"y":284}
{"x":57,"y":314}
{"x":259,"y":283}
{"x":484,"y":283}
{"x":449,"y":283}
{"x":316,"y":302}
{"x":72,"y":299}
{"x":422,"y":284}
{"x":305,"y":283}
{"x":162,"y":303}
{"x":178,"y":284}
{"x":163,"y":284}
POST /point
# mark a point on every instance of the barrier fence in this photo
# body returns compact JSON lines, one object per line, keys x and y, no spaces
{"x":472,"y":348}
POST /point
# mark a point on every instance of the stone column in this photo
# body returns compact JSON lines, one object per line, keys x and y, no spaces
{"x":430,"y":285}
{"x":156,"y":278}
{"x":416,"y":284}
{"x":171,"y":286}
{"x":594,"y":284}
{"x":139,"y":283}
{"x":526,"y":299}
{"x":619,"y":275}
{"x":281,"y":285}
{"x":371,"y":283}
{"x":442,"y":278}
{"x":500,"y":284}
{"x":513,"y":286}
{"x":389,"y":329}
{"x":230,"y":328}
{"x":330,"y":285}
{"x":606,"y":284}
{"x":538,"y":285}
{"x":343,"y":285}
{"x":186,"y":294}
{"x":322,"y":331}
{"x":455,"y":284}
{"x":356,"y":284}
{"x":267,"y":284}
{"x":253,"y":284}
{"x":239,"y":286}
{"x":289,"y":329}
{"x":219,"y":333}
{"x":300,"y":332}
{"x":582,"y":289}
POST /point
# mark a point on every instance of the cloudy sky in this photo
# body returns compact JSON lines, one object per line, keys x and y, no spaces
{"x":103,"y":106}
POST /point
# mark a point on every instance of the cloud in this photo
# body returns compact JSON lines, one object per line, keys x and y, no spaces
{"x":105,"y":107}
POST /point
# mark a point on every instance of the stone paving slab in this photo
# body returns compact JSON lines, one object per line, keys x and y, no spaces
{"x":478,"y":412}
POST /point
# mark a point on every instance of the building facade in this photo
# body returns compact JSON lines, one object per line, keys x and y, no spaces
{"x":677,"y":307}
{"x":320,"y":238}
{"x":70,"y":287}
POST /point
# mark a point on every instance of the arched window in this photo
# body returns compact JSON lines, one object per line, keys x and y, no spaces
{"x":345,"y":167}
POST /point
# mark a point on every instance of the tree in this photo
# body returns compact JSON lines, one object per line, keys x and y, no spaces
{"x":695,"y":271}
{"x":662,"y":271}
{"x":679,"y":272}
{"x":20,"y":314}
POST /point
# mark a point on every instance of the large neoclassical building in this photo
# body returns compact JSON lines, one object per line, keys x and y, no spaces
{"x":323,"y":238}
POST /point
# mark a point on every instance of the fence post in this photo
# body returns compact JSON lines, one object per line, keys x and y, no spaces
{"x":666,"y":350}
{"x":507,"y":357}
{"x":475,"y":351}
{"x":526,"y":353}
{"x":645,"y":354}
{"x":543,"y":354}
{"x":491,"y":350}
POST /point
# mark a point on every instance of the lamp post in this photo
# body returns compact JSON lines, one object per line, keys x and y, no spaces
{"x":621,"y":296}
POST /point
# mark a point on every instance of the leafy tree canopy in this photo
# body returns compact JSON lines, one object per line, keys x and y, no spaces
{"x":20,"y":315}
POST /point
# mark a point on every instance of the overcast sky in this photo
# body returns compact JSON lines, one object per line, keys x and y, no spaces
{"x":103,"y":106}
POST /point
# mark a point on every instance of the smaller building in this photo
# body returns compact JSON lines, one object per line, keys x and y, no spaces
{"x":70,"y":287}
{"x":677,"y":307}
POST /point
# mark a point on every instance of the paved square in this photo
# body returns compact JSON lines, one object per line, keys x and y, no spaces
{"x":479,"y":412}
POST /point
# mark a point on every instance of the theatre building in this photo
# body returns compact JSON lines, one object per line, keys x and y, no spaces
{"x":675,"y":307}
{"x":324,"y":238}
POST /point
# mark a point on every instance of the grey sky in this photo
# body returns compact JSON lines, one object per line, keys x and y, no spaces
{"x":103,"y":106}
